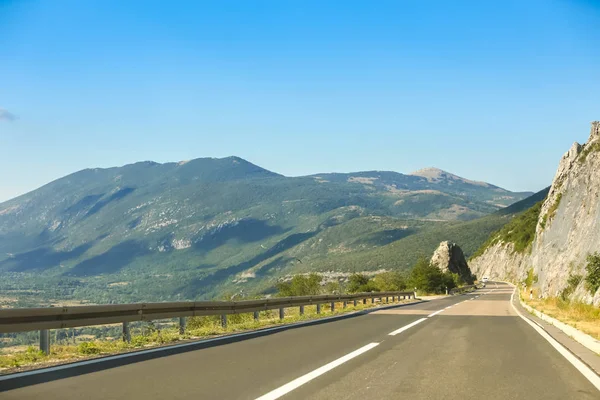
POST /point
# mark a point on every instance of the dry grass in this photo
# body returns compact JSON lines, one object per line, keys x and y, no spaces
{"x":13,"y":359}
{"x":584,"y":317}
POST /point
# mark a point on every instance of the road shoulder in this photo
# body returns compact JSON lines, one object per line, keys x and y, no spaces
{"x":585,"y":355}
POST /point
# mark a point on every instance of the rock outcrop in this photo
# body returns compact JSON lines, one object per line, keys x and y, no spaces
{"x":450,"y":257}
{"x":568,"y":228}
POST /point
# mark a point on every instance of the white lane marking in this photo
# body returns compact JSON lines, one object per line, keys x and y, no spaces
{"x":397,"y":331}
{"x":581,"y":367}
{"x":296,"y":383}
{"x":434,"y":314}
{"x":447,"y":307}
{"x":100,"y":360}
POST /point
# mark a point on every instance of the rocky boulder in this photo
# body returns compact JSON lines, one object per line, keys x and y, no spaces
{"x":450,"y":257}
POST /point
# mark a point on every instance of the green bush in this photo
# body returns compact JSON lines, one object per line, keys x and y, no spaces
{"x":590,"y":148}
{"x":390,"y":281}
{"x":520,"y":231}
{"x":88,"y":348}
{"x":592,"y":279}
{"x":334,"y":288}
{"x":572,"y":283}
{"x":531,"y":278}
{"x":358,"y":283}
{"x":301,"y":285}
{"x":429,"y":278}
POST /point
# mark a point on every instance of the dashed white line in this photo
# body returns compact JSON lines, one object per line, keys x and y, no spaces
{"x":296,"y":383}
{"x":397,"y":331}
{"x":434,"y":314}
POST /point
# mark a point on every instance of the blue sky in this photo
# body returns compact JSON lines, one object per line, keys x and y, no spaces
{"x":489,"y":90}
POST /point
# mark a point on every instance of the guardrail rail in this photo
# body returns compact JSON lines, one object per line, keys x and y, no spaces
{"x":463,"y":289}
{"x":43,"y":319}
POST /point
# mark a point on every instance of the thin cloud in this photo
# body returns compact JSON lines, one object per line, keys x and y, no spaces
{"x":5,"y":115}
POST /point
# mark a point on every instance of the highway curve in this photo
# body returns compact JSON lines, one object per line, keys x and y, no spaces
{"x":475,"y":347}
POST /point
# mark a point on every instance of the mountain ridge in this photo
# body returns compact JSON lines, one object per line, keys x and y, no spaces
{"x":191,"y":227}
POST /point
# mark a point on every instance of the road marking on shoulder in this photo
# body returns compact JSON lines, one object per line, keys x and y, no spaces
{"x":434,"y":314}
{"x":580,"y":366}
{"x":397,"y":331}
{"x":447,"y":307}
{"x":296,"y":383}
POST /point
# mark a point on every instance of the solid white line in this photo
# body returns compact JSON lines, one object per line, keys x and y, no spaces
{"x":397,"y":331}
{"x":296,"y":383}
{"x":447,"y":307}
{"x":435,"y":313}
{"x":581,"y":367}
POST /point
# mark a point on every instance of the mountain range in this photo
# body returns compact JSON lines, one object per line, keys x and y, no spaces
{"x":195,"y":229}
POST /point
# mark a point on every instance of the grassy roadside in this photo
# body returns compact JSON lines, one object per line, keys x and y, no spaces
{"x":26,"y":358}
{"x":584,"y":317}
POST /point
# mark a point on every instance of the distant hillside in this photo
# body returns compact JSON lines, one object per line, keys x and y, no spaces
{"x":150,"y":231}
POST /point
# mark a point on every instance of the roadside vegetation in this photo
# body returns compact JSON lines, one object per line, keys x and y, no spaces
{"x":426,"y":278}
{"x":551,"y":211}
{"x":159,"y":333}
{"x":585,"y":317}
{"x":520,"y":231}
{"x":592,"y":278}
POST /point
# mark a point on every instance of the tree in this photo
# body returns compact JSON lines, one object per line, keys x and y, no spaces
{"x":358,"y":283}
{"x":429,"y":278}
{"x":334,"y":288}
{"x":592,"y":280}
{"x":390,"y":281}
{"x":301,"y":285}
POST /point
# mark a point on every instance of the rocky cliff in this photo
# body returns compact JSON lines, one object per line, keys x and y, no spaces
{"x":567,"y":230}
{"x":450,"y":257}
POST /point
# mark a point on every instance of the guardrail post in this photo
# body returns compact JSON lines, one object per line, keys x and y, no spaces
{"x":345,"y":304}
{"x":372,"y":300}
{"x":224,"y":321}
{"x":256,"y":315}
{"x":126,"y":332}
{"x":355,"y":302}
{"x":332,"y":306}
{"x":301,"y":310}
{"x":45,"y":341}
{"x":182,"y":325}
{"x":281,"y":313}
{"x":318,"y":308}
{"x":364,"y":301}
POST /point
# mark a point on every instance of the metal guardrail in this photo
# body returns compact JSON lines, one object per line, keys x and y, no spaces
{"x":42,"y":319}
{"x":463,"y":289}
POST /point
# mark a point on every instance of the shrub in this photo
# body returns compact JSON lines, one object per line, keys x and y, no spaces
{"x":572,"y":283}
{"x":88,"y":348}
{"x":592,"y":280}
{"x":531,"y":278}
{"x":301,"y":285}
{"x":520,"y":231}
{"x":334,"y":288}
{"x":194,"y":323}
{"x":590,"y":148}
{"x":358,"y":283}
{"x":429,"y":278}
{"x":390,"y":281}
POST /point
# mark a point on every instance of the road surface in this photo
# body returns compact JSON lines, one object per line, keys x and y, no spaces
{"x":475,"y":347}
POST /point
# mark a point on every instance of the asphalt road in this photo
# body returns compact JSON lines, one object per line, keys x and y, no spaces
{"x":478,"y":348}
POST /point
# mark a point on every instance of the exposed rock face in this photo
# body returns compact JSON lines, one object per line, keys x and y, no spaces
{"x":450,"y":257}
{"x":568,"y":229}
